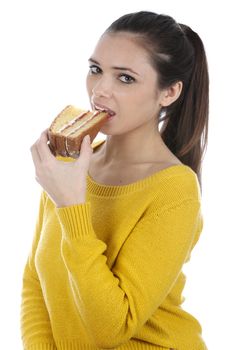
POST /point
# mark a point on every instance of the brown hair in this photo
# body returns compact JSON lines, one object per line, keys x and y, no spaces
{"x":177,"y":54}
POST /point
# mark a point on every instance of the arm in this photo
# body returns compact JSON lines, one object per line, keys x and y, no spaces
{"x":114,"y":304}
{"x":35,"y":324}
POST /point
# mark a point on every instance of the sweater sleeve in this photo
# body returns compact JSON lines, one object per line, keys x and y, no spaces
{"x":114,"y":304}
{"x":35,"y":325}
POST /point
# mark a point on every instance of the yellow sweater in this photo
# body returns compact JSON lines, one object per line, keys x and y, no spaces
{"x":107,"y":273}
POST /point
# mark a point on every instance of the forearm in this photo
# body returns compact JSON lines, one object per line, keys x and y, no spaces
{"x":115,"y":303}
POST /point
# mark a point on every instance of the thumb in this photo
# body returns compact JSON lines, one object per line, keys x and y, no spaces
{"x":85,"y":152}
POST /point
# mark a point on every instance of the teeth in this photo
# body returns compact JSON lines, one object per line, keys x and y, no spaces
{"x":105,"y":110}
{"x":101,"y":109}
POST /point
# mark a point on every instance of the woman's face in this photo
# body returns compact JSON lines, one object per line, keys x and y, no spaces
{"x":122,"y":79}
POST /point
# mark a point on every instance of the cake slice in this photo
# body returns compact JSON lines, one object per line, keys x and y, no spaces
{"x":69,"y":128}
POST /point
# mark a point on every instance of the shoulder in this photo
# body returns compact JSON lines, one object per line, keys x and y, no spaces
{"x":174,"y":186}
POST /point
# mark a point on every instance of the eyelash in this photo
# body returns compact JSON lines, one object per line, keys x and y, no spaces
{"x":130,"y":81}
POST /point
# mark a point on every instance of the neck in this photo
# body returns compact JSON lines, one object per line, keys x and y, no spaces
{"x":129,"y":148}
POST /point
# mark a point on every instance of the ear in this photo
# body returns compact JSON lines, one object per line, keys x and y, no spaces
{"x":171,"y":94}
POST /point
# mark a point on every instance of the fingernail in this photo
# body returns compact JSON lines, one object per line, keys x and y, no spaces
{"x":88,"y":139}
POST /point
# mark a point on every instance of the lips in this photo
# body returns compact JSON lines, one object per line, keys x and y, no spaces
{"x":99,"y":107}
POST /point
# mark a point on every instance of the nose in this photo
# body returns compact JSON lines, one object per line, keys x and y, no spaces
{"x":102,"y":88}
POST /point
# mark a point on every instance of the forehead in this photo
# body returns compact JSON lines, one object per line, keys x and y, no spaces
{"x":121,"y":48}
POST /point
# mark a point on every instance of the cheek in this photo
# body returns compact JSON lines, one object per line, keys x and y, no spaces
{"x":89,"y":84}
{"x":141,"y":107}
{"x":140,"y":102}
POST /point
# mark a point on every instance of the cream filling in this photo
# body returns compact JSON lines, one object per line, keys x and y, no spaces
{"x":72,"y":122}
{"x":83,"y":124}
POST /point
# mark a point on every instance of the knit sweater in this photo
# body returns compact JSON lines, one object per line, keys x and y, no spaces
{"x":107,"y":273}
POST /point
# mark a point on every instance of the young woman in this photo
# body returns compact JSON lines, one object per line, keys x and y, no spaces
{"x":116,"y":226}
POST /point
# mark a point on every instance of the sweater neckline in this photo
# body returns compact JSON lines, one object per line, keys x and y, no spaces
{"x":116,"y":190}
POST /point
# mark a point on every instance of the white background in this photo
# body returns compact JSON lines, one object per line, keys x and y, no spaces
{"x":44,"y":50}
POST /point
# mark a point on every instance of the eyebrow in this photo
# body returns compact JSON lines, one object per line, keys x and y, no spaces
{"x":117,"y":68}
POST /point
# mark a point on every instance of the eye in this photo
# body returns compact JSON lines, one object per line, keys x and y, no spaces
{"x":127,"y":79}
{"x":94,"y":69}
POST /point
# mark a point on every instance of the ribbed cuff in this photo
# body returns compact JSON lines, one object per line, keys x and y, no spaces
{"x":78,"y":345}
{"x":76,"y":220}
{"x":41,"y":346}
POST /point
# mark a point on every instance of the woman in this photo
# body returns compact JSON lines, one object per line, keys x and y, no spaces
{"x":116,"y":225}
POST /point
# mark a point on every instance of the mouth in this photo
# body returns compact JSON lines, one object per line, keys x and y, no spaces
{"x":104,"y":109}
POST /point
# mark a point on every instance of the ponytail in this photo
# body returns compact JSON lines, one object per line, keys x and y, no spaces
{"x":185,"y":131}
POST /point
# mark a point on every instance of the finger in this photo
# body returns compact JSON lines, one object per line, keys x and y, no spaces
{"x":35,"y":155}
{"x":43,"y":147}
{"x":85,"y":152}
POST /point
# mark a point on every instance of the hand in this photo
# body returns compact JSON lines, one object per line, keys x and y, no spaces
{"x":64,"y":182}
